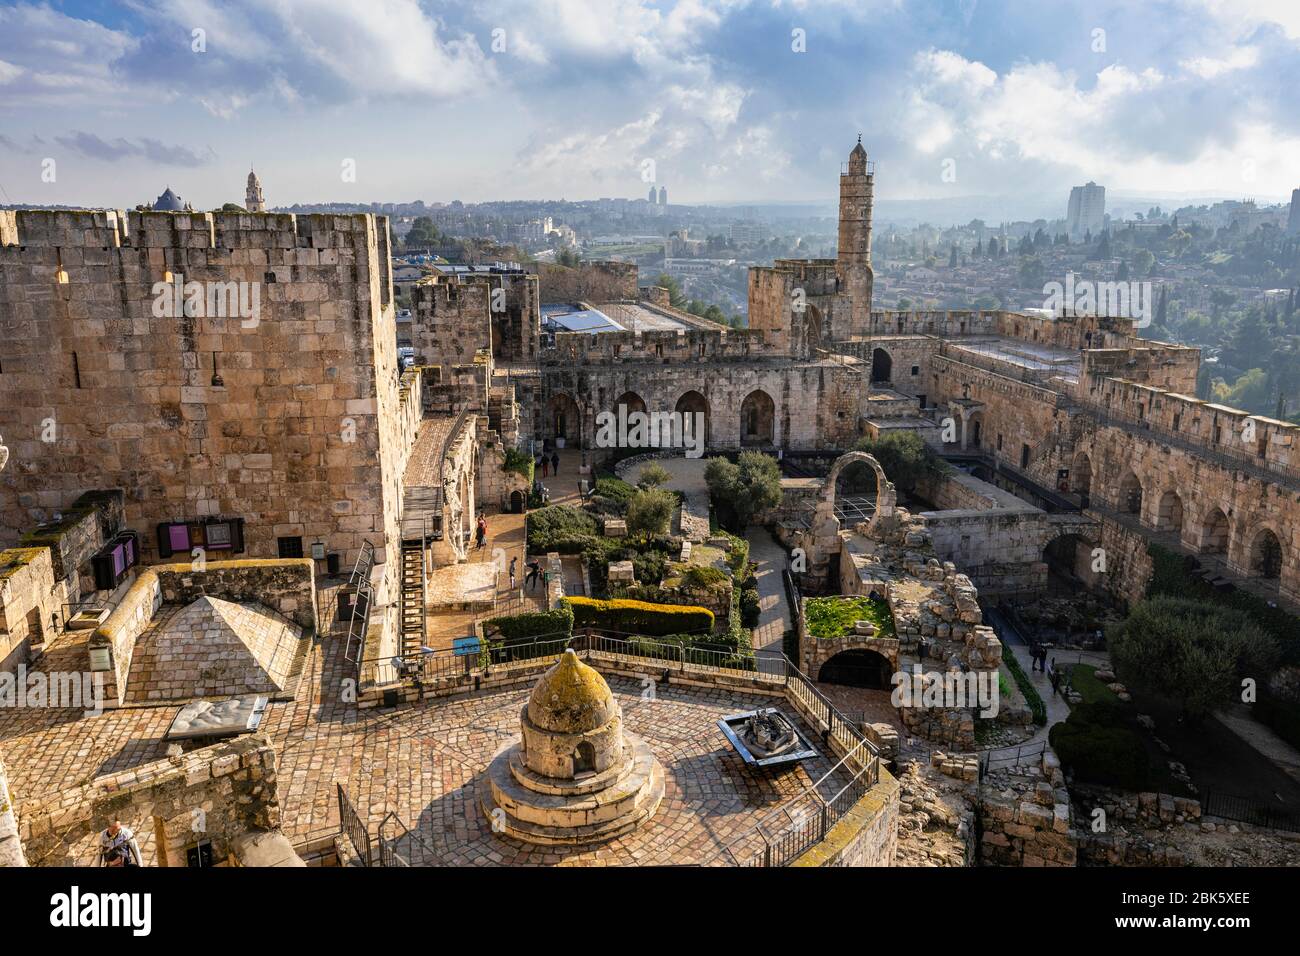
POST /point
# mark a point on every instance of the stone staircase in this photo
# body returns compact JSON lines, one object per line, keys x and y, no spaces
{"x":413,"y":601}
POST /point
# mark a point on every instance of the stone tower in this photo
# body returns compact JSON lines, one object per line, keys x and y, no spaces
{"x":853,"y":265}
{"x":253,"y":200}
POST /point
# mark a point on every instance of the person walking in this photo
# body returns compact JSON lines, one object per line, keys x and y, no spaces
{"x":534,"y":568}
{"x":480,"y":532}
{"x":514,"y":563}
{"x":555,"y":462}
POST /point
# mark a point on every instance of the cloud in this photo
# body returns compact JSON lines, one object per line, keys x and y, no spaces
{"x":50,"y":59}
{"x":116,"y":150}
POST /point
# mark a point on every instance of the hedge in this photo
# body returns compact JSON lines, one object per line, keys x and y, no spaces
{"x":639,"y":617}
{"x":1096,"y":746}
{"x":531,"y":624}
{"x":560,"y":528}
{"x":1036,"y":706}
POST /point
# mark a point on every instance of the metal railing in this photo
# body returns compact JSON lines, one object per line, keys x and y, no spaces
{"x":802,"y":822}
{"x":1001,"y":757}
{"x":352,"y":826}
{"x":360,"y":584}
{"x":1248,"y":810}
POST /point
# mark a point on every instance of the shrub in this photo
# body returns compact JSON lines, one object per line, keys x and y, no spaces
{"x":653,"y":475}
{"x":1193,"y":652}
{"x":905,"y":458}
{"x":650,"y":511}
{"x":1097,"y":748}
{"x":702,"y":577}
{"x":749,"y":609}
{"x":1035,"y":701}
{"x":531,"y":624}
{"x":745,"y":488}
{"x":520,"y":462}
{"x":640,"y":617}
{"x":615,"y":489}
{"x":560,"y":528}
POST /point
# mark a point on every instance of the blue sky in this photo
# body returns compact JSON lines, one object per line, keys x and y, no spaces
{"x":512,"y":99}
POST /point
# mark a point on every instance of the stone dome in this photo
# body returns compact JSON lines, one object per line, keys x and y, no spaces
{"x":571,"y":698}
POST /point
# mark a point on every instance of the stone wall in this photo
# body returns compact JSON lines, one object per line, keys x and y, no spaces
{"x":225,"y":791}
{"x":272,"y":416}
{"x":1025,"y":817}
{"x":11,"y":846}
{"x":28,"y":601}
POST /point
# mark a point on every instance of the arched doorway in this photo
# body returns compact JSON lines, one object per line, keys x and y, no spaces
{"x":1069,"y":559}
{"x":633,"y":401}
{"x":1169,"y":515}
{"x":1130,"y":494}
{"x":689,"y":406}
{"x":1266,"y":555}
{"x":1214,"y":533}
{"x":517,"y":501}
{"x":856,"y":486}
{"x":1081,"y":476}
{"x":882,"y":367}
{"x":858,"y":667}
{"x":584,"y":759}
{"x":757,"y":419}
{"x":564,"y":420}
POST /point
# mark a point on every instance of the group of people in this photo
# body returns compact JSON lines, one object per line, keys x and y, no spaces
{"x":534,"y":570}
{"x":548,"y":466}
{"x":1038,"y":653}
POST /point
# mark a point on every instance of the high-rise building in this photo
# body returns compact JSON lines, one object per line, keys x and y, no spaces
{"x":1293,"y":223}
{"x":652,"y":196}
{"x":253,"y":200}
{"x":1087,"y":211}
{"x":663,"y":195}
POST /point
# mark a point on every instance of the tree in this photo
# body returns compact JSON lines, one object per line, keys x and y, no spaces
{"x":676,"y":298}
{"x":653,"y":475}
{"x":743,"y":489}
{"x":650,"y":510}
{"x":1192,"y":652}
{"x":1143,"y":260}
{"x":904,"y":456}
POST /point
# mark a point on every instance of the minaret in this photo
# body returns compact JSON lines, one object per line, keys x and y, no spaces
{"x":853,"y":266}
{"x":253,"y":200}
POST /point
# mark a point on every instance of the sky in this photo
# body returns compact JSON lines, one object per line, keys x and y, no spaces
{"x":104,"y":104}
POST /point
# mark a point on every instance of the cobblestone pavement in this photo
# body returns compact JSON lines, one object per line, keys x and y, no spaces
{"x":774,"y":610}
{"x":424,"y":762}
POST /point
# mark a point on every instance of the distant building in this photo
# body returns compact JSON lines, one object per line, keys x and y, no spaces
{"x":652,"y":196}
{"x":752,"y":233}
{"x":663,"y":195}
{"x":1293,"y":223}
{"x":253,"y":200}
{"x":1087,"y":210}
{"x":169,"y":202}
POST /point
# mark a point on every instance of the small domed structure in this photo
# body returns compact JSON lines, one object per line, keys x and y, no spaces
{"x":169,"y":202}
{"x":575,"y":776}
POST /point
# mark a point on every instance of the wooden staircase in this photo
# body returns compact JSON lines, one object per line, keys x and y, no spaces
{"x":413,"y":603}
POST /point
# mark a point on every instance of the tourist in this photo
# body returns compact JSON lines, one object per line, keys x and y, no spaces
{"x":534,"y":568}
{"x":555,"y":462}
{"x":514,"y":562}
{"x":480,"y":532}
{"x":118,"y":847}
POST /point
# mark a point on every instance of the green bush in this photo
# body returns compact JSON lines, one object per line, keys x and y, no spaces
{"x":531,"y":624}
{"x":519,"y":462}
{"x":615,"y":489}
{"x":650,"y":511}
{"x":560,"y":528}
{"x":640,"y":617}
{"x":653,"y":475}
{"x":749,"y":609}
{"x":701,"y":577}
{"x":741,"y":490}
{"x":1035,"y":701}
{"x":1096,"y":746}
{"x":905,"y":458}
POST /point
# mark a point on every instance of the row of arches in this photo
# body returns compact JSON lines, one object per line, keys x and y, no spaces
{"x":1257,"y":550}
{"x":757,"y":416}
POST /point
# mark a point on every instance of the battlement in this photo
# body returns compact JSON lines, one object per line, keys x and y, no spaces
{"x":659,"y":346}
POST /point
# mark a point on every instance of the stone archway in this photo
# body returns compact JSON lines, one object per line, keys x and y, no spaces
{"x":886,"y":496}
{"x":757,"y":419}
{"x":1266,"y":554}
{"x":882,"y":367}
{"x":1081,"y":475}
{"x":633,"y":401}
{"x":1215,"y":533}
{"x":690,"y":404}
{"x":1129,"y":499}
{"x":1169,"y":513}
{"x":564,"y":420}
{"x":858,"y":667}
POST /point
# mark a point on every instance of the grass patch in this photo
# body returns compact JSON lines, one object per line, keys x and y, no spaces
{"x":1083,"y":678}
{"x":834,"y":616}
{"x":1036,"y":706}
